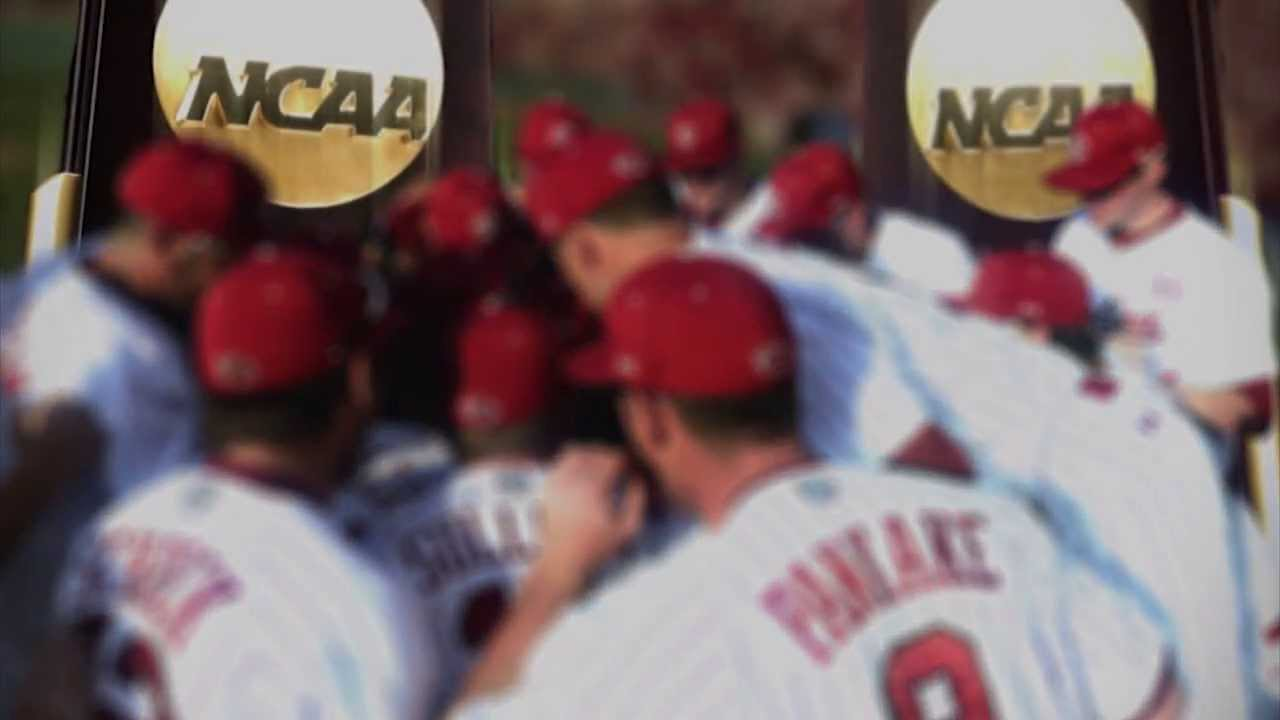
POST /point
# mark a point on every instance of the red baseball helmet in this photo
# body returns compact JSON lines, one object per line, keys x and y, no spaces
{"x":1107,"y":144}
{"x":1029,"y":285}
{"x":692,"y":327}
{"x":701,"y":136}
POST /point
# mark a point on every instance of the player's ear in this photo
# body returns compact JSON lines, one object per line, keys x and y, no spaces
{"x":1155,"y":166}
{"x":640,"y":419}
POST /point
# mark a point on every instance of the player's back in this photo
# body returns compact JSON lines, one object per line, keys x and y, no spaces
{"x":71,"y":339}
{"x":921,"y":255}
{"x":903,"y":598}
{"x":833,"y":593}
{"x":461,"y":539}
{"x":248,"y":602}
{"x":1144,"y":483}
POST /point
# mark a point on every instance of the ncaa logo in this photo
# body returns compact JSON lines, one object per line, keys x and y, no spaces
{"x":329,"y":100}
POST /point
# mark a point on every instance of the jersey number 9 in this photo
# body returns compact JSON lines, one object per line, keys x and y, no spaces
{"x":936,"y":675}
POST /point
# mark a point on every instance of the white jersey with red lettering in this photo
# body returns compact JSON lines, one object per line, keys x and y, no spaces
{"x":77,"y":339}
{"x":206,"y":596}
{"x":460,"y":538}
{"x":1197,"y":306}
{"x":874,"y":364}
{"x":463,"y":538}
{"x":836,"y":593}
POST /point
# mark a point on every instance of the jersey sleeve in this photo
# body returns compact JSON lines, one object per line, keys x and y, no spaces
{"x":53,"y":352}
{"x":644,"y":648}
{"x":1121,"y":656}
{"x":1223,"y":335}
{"x":924,"y":255}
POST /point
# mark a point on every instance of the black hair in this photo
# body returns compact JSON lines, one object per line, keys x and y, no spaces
{"x":285,"y":417}
{"x":532,"y":437}
{"x":1083,"y":343}
{"x":649,"y":201}
{"x":769,"y":415}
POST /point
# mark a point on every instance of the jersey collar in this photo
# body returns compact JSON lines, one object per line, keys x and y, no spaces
{"x":1128,"y":239}
{"x":289,"y":483}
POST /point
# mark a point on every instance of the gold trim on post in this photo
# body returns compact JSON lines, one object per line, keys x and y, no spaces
{"x":52,"y":223}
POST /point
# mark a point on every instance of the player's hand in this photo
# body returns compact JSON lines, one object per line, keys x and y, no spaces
{"x":593,"y":507}
{"x":1225,"y":410}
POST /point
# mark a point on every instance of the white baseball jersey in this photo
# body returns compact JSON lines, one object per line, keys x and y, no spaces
{"x":838,"y":593}
{"x":1199,"y":307}
{"x":875,"y":363}
{"x":217,"y":598}
{"x":1261,"y":557}
{"x":1141,"y":480}
{"x":920,"y":255}
{"x":74,"y":338}
{"x":463,"y":538}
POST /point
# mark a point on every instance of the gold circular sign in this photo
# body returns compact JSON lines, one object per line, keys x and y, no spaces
{"x":331,"y":99}
{"x":993,"y":88}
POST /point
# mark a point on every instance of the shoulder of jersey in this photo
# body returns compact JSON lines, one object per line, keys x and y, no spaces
{"x":845,"y":493}
{"x":418,"y":455}
{"x":921,"y":226}
{"x":246,"y":525}
{"x":190,"y":494}
{"x":67,"y":310}
{"x":494,"y":482}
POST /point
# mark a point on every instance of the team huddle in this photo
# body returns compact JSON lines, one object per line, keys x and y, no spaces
{"x":635,"y":438}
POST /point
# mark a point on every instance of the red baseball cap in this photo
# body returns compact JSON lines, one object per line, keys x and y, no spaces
{"x":279,"y":319}
{"x":549,"y":129}
{"x":692,"y":327}
{"x":189,"y":187}
{"x":810,"y":187}
{"x":1107,"y":143}
{"x":462,"y":211}
{"x":602,"y":167}
{"x":1029,"y":285}
{"x":703,"y":135}
{"x":506,"y":364}
{"x":403,"y":218}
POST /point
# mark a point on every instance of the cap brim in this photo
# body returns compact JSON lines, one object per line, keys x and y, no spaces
{"x":591,"y":366}
{"x":1089,"y":177}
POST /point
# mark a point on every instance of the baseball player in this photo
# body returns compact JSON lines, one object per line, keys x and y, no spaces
{"x":809,"y":590}
{"x":93,"y":361}
{"x":457,"y":240}
{"x":223,"y":590}
{"x":1196,"y":308}
{"x":817,"y":198}
{"x":463,"y":536}
{"x":548,"y":130}
{"x":1138,"y":472}
{"x":607,"y":215}
{"x":704,"y":141}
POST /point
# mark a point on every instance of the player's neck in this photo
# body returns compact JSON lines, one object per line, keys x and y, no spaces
{"x":734,"y":475}
{"x":1153,"y":216}
{"x":503,"y":460}
{"x":129,"y":261}
{"x":303,"y":469}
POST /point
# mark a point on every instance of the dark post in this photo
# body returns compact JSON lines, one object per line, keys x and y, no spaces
{"x":1182,"y":39}
{"x":112,"y":101}
{"x":467,"y":115}
{"x":887,"y":138}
